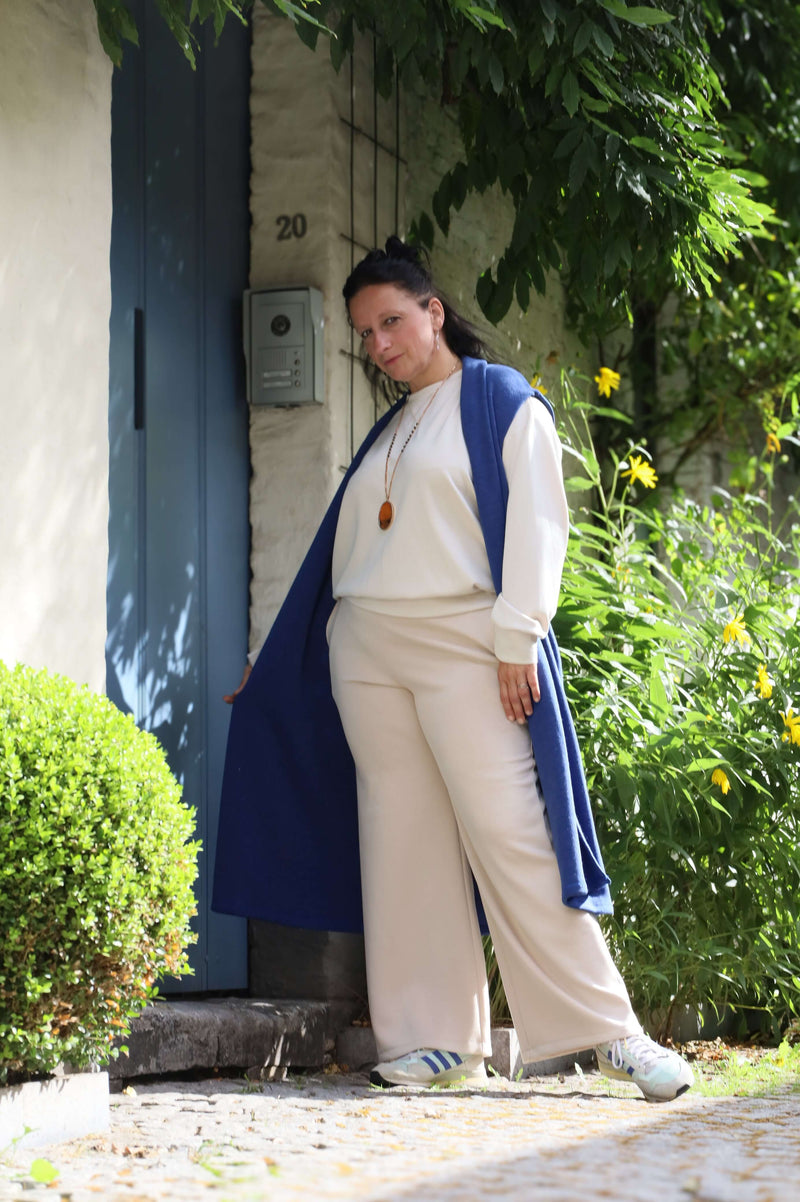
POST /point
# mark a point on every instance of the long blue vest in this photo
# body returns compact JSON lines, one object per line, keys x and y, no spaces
{"x":287,"y":849}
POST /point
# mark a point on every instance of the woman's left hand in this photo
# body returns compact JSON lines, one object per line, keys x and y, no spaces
{"x":519,"y":688}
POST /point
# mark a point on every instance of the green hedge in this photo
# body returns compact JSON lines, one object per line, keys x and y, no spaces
{"x":96,"y":872}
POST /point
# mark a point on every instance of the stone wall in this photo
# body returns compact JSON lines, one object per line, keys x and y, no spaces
{"x":55,"y":228}
{"x":304,"y":153}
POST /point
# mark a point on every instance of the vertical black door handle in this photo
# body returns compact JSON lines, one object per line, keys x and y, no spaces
{"x":138,"y":369}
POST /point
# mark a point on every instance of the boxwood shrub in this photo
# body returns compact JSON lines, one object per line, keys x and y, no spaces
{"x":96,"y":869}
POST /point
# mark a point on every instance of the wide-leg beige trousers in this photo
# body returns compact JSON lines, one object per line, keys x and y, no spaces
{"x":446,"y":788}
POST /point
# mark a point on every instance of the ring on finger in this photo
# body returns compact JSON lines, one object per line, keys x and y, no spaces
{"x":523,"y":688}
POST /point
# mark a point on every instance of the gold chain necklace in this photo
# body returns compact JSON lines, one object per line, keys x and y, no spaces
{"x":387,"y":510}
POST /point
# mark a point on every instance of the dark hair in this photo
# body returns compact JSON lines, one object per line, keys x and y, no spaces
{"x":408,"y":267}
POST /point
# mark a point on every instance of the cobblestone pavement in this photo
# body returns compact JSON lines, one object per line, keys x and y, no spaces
{"x":334,"y":1137}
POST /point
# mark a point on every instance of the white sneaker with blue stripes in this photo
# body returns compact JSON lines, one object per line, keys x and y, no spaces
{"x":660,"y":1074}
{"x":430,"y":1066}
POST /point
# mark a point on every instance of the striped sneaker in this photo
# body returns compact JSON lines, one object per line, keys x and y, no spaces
{"x":660,"y":1074}
{"x":429,"y":1066}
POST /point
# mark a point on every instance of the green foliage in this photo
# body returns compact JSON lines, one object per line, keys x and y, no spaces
{"x":96,"y":874}
{"x":734,"y":356}
{"x":599,"y":119}
{"x":115,"y":24}
{"x":725,"y":357}
{"x":680,"y":639}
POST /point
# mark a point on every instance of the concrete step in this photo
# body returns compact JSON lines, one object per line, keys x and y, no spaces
{"x":258,"y":1036}
{"x":264,"y":1038}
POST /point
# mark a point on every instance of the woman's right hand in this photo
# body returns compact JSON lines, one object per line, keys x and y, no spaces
{"x":231,"y":697}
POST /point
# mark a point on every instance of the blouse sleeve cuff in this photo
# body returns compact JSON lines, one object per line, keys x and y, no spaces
{"x":252,"y":656}
{"x":515,"y":646}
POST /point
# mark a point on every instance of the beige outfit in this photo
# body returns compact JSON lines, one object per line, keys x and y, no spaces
{"x":446,"y":784}
{"x":433,"y":558}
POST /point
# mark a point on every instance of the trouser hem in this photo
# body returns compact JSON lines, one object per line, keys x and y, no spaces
{"x":606,"y":1034}
{"x":404,"y":1050}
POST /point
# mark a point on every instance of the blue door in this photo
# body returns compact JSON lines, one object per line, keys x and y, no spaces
{"x":178,"y":533}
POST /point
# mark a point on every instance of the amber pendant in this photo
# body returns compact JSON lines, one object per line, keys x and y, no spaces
{"x":386,"y":515}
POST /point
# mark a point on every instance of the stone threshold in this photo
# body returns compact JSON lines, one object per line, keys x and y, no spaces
{"x":260,"y":1037}
{"x":264,"y":1039}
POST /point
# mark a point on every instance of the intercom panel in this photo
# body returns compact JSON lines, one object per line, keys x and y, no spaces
{"x":283,"y":346}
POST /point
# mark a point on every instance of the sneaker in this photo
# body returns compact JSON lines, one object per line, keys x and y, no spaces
{"x":660,"y":1074}
{"x":429,"y":1066}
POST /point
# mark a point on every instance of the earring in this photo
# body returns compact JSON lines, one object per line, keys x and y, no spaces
{"x":436,"y":341}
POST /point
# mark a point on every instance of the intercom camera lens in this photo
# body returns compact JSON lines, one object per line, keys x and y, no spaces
{"x":280,"y":325}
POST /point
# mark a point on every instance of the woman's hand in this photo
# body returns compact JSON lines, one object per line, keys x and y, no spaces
{"x":231,"y":697}
{"x":519,"y":688}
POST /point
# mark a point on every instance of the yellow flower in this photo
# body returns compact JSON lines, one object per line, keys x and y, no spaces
{"x":640,"y":469}
{"x":536,"y":383}
{"x":764,"y":682}
{"x":718,"y":777}
{"x":607,"y":380}
{"x":773,"y":443}
{"x":735,"y":631}
{"x":791,"y":721}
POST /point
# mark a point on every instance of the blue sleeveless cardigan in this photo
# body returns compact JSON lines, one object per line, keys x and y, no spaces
{"x":287,"y":847}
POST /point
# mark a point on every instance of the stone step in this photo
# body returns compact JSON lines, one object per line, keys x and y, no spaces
{"x":258,"y":1036}
{"x":265,"y":1038}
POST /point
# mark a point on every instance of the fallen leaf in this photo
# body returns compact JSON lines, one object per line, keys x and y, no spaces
{"x":43,"y":1172}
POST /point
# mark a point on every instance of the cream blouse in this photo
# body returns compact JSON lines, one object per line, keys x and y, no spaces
{"x":432,"y":560}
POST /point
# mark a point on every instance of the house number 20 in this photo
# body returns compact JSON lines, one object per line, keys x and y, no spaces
{"x":291,"y":227}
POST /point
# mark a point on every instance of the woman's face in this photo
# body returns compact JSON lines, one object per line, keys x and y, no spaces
{"x":398,"y":333}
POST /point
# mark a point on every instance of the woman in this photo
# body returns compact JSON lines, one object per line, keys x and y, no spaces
{"x":443,"y":553}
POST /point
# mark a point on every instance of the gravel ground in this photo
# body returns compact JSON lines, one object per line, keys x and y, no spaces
{"x":335,"y":1137}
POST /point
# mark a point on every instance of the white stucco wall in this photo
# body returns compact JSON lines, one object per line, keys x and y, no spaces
{"x":55,"y":227}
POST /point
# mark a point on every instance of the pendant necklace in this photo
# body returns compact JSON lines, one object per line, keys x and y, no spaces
{"x":387,"y":510}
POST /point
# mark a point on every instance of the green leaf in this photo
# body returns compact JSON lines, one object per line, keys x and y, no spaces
{"x":484,"y":14}
{"x":441,"y":204}
{"x":637,"y":14}
{"x":484,"y":289}
{"x":570,"y":92}
{"x":646,"y":144}
{"x":496,"y":73}
{"x":641,"y":15}
{"x":299,"y":14}
{"x":43,"y":1171}
{"x":579,"y":165}
{"x":703,"y":763}
{"x":583,"y":37}
{"x":603,"y":41}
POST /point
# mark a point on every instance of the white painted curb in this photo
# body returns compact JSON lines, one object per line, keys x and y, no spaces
{"x":48,"y":1112}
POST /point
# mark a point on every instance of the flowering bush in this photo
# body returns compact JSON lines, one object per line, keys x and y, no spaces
{"x":678,"y":629}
